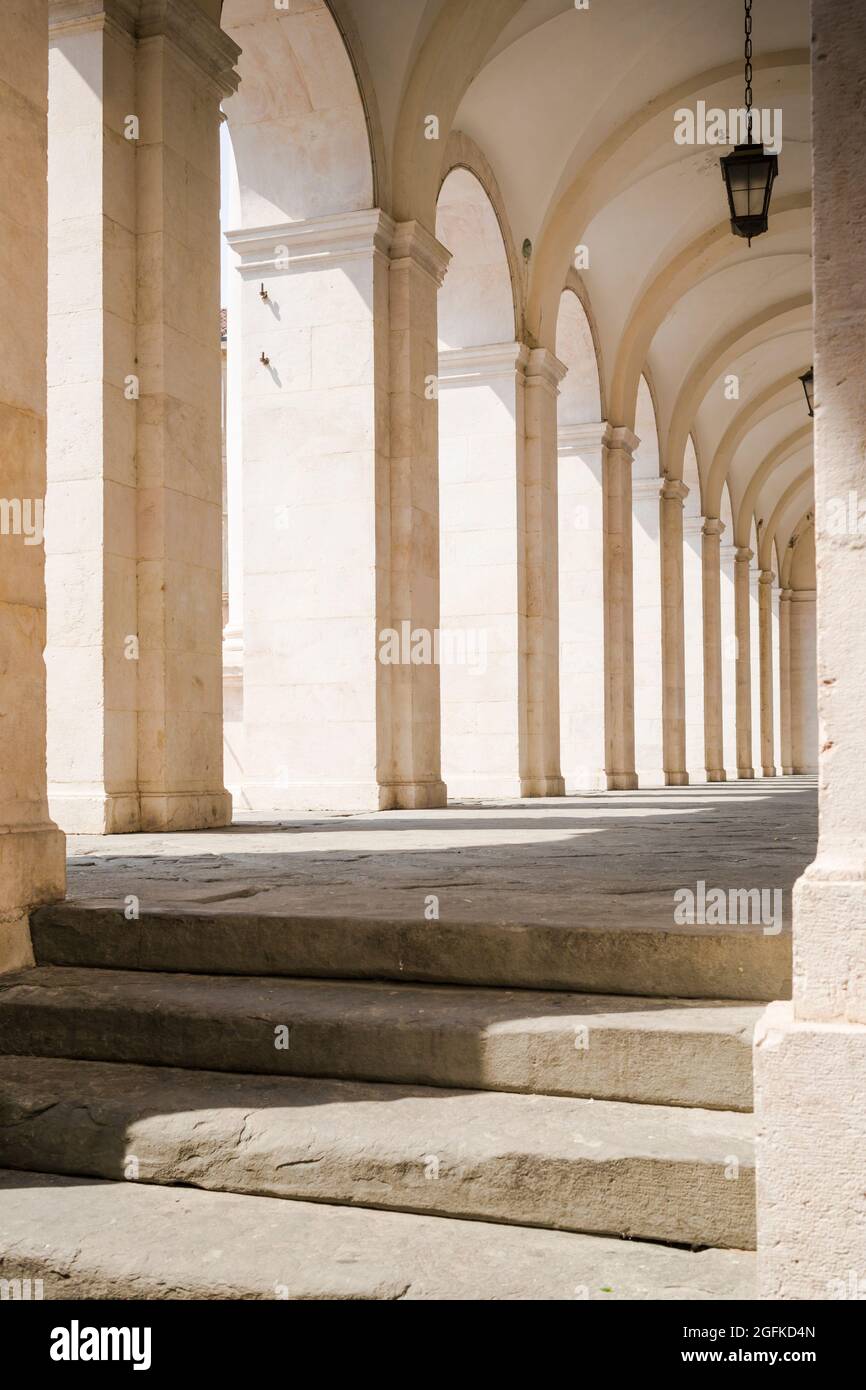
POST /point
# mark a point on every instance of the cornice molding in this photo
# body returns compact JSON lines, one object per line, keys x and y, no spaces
{"x":179,"y":21}
{"x":339,"y":237}
{"x":579,"y":439}
{"x":476,"y":365}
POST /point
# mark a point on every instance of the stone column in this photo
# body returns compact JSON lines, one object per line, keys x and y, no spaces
{"x":483,"y":623}
{"x":647,"y":622}
{"x":233,"y":633}
{"x":412,"y":770}
{"x":619,"y":611}
{"x":581,"y":605}
{"x":91,"y":540}
{"x":727,"y":579}
{"x":765,"y":640}
{"x":777,"y":678}
{"x":341,"y":538}
{"x":743,"y":631}
{"x":804,"y":701}
{"x":810,"y":1055}
{"x":712,"y":607}
{"x":32,"y":863}
{"x":673,"y":495}
{"x":785,"y":679}
{"x":755,"y":664}
{"x":539,"y":526}
{"x":135,"y":467}
{"x":694,"y":644}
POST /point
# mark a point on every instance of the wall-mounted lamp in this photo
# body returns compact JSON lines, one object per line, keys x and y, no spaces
{"x":263,"y":294}
{"x":808,"y":380}
{"x":265,"y":361}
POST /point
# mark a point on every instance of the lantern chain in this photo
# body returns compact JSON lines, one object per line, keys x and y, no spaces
{"x":748,"y":55}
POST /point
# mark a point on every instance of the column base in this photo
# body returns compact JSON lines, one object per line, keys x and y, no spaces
{"x":810,"y":1079}
{"x":32,"y":872}
{"x":768,"y":772}
{"x":93,"y":811}
{"x":810,"y":770}
{"x":412,"y":796}
{"x":622,"y":781}
{"x":716,"y":774}
{"x":787,"y":772}
{"x":745,"y":774}
{"x":676,"y":779}
{"x":185,"y":810}
{"x":542,"y":786}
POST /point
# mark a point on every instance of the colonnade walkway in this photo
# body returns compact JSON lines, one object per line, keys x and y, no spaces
{"x":447,"y":1054}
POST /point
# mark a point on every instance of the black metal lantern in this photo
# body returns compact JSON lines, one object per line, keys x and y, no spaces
{"x":749,"y":172}
{"x":808,"y":380}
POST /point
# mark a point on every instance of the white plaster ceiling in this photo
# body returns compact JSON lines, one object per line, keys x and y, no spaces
{"x":573,"y":110}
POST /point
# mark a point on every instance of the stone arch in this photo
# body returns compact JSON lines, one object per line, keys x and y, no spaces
{"x":581,"y":432}
{"x":461,"y":152}
{"x":783,"y":451}
{"x":775,"y":534}
{"x":477,"y":301}
{"x":713,"y":250}
{"x":775,"y":321}
{"x":482,"y":617}
{"x":759,"y":408}
{"x":614,"y":165}
{"x":298,"y":121}
{"x":453,"y":52}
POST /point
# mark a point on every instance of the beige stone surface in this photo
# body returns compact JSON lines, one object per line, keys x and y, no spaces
{"x":121,"y":1240}
{"x":646,"y":1172}
{"x":32,"y":866}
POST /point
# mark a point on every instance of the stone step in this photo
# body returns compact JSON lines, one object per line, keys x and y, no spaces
{"x":97,"y":1240}
{"x":647,"y":1172}
{"x":656,"y":1051}
{"x":602,"y":958}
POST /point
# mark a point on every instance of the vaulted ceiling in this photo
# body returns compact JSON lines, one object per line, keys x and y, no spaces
{"x":572,"y":114}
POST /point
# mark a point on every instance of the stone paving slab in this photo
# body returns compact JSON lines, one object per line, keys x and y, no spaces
{"x":94,"y":1239}
{"x":648,"y":1172}
{"x":556,"y":861}
{"x":656,"y":1051}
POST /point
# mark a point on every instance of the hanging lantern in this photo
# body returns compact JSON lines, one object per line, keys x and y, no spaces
{"x":749,"y":172}
{"x":808,"y":380}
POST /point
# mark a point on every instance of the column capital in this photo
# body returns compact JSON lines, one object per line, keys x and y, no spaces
{"x":713,"y":526}
{"x":180,"y":21}
{"x":623,"y":440}
{"x":785,"y":595}
{"x":68,"y":15}
{"x":803,"y":595}
{"x":544,"y":369}
{"x":674,"y":490}
{"x":766,"y":577}
{"x":190,"y":30}
{"x":477,"y":365}
{"x":743,"y":555}
{"x":411,"y":241}
{"x":339,"y":237}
